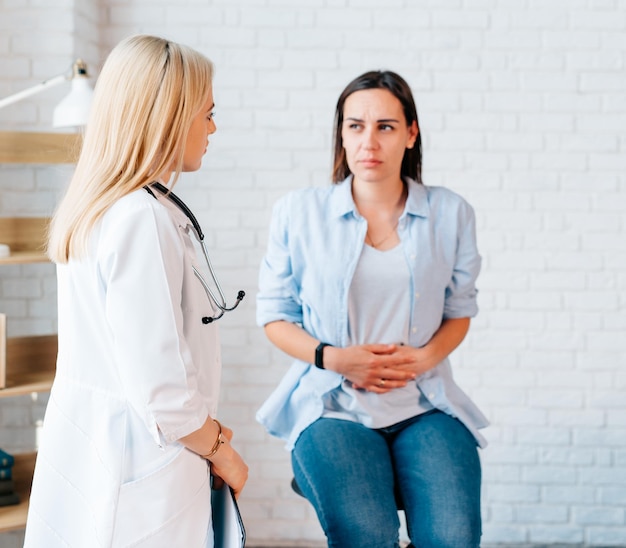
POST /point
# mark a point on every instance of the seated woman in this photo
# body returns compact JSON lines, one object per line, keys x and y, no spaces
{"x":369,"y":284}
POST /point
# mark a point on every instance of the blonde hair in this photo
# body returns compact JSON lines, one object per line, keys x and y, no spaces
{"x":145,"y":99}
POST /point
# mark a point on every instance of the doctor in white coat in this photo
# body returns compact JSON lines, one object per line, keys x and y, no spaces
{"x":130,"y":437}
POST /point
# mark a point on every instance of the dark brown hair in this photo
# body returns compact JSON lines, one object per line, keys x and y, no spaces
{"x":392,"y":82}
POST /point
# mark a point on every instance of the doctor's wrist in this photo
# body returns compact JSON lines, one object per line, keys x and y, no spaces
{"x":220,"y":439}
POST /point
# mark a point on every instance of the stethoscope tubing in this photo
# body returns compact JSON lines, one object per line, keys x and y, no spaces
{"x":220,"y":299}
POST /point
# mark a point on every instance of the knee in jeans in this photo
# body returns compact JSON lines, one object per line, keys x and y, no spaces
{"x":448,"y":538}
{"x":354,"y":530}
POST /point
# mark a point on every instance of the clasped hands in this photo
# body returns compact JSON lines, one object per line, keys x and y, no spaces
{"x":377,"y":368}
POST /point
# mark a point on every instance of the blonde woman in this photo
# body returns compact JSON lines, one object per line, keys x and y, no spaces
{"x":130,"y":436}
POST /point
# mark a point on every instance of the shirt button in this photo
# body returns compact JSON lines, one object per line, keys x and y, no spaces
{"x":417,"y":295}
{"x":413,"y":257}
{"x":431,"y":396}
{"x":414,"y":330}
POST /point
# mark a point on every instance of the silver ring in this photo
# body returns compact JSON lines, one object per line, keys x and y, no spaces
{"x":381,"y":384}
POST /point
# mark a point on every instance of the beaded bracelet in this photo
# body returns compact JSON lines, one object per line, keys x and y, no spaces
{"x":218,"y":441}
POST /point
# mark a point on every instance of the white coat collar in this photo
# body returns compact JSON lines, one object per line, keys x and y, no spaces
{"x":181,"y":219}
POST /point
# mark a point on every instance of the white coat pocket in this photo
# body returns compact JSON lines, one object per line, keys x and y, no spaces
{"x":168,"y":507}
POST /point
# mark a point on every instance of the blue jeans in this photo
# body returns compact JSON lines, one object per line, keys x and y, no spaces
{"x":354,"y":475}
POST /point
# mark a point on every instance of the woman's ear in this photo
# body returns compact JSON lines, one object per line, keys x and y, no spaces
{"x":413,"y":133}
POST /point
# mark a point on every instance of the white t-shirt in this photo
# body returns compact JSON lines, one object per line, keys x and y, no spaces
{"x":378,"y":312}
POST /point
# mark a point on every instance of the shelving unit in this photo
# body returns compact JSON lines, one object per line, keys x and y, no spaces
{"x":14,"y":517}
{"x":25,"y":237}
{"x":20,"y":147}
{"x":27,"y":364}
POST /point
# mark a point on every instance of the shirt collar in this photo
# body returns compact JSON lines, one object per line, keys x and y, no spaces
{"x":417,"y":200}
{"x":342,"y":203}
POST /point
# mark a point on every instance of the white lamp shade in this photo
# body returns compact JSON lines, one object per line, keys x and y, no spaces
{"x":73,"y":110}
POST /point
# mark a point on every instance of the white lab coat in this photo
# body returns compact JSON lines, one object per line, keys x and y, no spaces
{"x":137,"y":369}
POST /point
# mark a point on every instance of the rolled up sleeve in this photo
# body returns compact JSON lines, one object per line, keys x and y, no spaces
{"x":278,"y":288}
{"x":461,"y":292}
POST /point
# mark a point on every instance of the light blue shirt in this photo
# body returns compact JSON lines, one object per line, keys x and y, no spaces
{"x":315,"y":240}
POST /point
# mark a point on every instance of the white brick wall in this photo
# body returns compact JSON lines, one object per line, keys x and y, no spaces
{"x":522,"y":106}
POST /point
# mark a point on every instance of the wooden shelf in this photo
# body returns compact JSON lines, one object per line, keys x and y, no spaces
{"x":20,"y":385}
{"x":27,"y":364}
{"x":14,"y":517}
{"x":22,"y":147}
{"x":25,"y":257}
{"x":26,"y":238}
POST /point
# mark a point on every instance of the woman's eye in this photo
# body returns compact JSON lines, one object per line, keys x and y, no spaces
{"x":210,"y":116}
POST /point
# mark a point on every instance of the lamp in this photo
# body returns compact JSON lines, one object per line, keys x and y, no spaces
{"x":73,"y":110}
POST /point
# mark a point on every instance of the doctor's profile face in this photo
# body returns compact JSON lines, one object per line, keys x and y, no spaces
{"x":197,"y":140}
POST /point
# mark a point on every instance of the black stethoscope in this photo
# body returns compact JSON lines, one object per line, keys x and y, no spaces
{"x":220,"y":300}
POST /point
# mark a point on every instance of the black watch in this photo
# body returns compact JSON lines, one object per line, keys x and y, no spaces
{"x":319,"y":355}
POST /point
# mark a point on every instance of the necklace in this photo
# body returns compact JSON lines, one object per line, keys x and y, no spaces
{"x":397,"y":211}
{"x":375,"y":245}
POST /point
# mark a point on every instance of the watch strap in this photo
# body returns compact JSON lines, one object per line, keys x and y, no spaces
{"x":319,"y":355}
